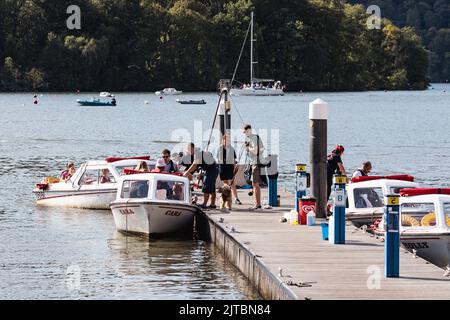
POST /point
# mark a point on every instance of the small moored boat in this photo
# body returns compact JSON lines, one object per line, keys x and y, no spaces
{"x":366,"y":196}
{"x":97,"y":103}
{"x":93,"y":185}
{"x":168,"y":92}
{"x":154,"y":205}
{"x":425,"y":224}
{"x":191,"y":101}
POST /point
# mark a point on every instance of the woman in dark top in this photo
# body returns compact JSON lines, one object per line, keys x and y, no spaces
{"x":334,"y":166}
{"x":226,"y":156}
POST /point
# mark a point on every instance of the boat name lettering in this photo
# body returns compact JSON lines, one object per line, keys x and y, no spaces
{"x":126,"y":211}
{"x":416,"y":245}
{"x":173,"y":213}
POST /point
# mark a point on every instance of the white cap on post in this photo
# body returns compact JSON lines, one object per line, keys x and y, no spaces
{"x":221,"y":111}
{"x":318,"y":110}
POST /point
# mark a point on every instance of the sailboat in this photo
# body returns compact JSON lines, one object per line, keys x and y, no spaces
{"x":257,"y":87}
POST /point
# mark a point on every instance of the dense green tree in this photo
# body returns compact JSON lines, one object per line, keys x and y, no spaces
{"x":144,"y":45}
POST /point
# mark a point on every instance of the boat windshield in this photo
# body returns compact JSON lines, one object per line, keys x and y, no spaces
{"x":447,"y":214}
{"x":96,"y":176}
{"x":368,"y":198}
{"x":134,"y":189}
{"x":418,"y":215}
{"x":170,"y":190}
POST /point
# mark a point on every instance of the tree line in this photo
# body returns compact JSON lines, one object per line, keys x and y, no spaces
{"x":431,"y":20}
{"x":145,"y":45}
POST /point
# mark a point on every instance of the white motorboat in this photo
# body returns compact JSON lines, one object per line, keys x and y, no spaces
{"x":154,"y":205}
{"x":168,"y":92}
{"x":257,"y":87}
{"x":92,"y":186}
{"x":425,"y":224}
{"x":366,"y":196}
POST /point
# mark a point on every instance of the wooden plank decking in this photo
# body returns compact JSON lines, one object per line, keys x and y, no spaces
{"x":332,"y":271}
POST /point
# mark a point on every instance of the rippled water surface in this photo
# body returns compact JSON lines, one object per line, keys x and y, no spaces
{"x":42,"y":250}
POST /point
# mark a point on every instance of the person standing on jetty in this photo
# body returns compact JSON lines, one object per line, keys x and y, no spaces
{"x":334,"y":166}
{"x":226,"y":157}
{"x":364,"y":170}
{"x":208,"y":164}
{"x":255,"y":149}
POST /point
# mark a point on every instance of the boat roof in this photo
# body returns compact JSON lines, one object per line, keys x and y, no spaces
{"x":126,"y":162}
{"x":155,"y":175}
{"x":425,"y":198}
{"x":382,"y":183}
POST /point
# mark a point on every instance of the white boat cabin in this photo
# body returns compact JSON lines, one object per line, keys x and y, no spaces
{"x":421,"y":213}
{"x":157,"y":187}
{"x":365,"y":196}
{"x":95,"y":173}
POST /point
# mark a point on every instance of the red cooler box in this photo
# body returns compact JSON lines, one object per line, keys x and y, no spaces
{"x":305,"y":204}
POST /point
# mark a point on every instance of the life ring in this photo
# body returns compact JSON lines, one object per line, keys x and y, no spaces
{"x":428,"y":220}
{"x":408,"y":221}
{"x":431,"y":217}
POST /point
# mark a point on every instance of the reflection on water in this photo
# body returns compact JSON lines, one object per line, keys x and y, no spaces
{"x":107,"y":264}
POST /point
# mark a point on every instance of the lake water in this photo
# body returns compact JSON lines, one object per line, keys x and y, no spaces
{"x":42,"y":250}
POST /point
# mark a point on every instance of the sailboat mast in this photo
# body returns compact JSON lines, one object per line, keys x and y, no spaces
{"x":251,"y":51}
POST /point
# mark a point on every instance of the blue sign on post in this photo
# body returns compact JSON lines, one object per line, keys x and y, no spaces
{"x":337,"y":223}
{"x":300,"y":184}
{"x":392,"y":237}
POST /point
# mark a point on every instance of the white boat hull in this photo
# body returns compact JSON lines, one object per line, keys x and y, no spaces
{"x":154,"y":219}
{"x":256,"y":92}
{"x":361,"y":218}
{"x":431,"y":247}
{"x":76,"y":199}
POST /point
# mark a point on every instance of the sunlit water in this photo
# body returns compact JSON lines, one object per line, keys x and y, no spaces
{"x":42,"y":250}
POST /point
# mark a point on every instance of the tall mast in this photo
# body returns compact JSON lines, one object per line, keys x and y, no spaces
{"x":251,"y":51}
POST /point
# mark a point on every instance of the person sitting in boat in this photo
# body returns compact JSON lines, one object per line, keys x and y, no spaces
{"x":177,"y":192}
{"x":142,"y":167}
{"x":68,"y":172}
{"x":170,"y":166}
{"x":113,"y":101}
{"x":364,"y":170}
{"x":105,"y":178}
{"x":160,"y":166}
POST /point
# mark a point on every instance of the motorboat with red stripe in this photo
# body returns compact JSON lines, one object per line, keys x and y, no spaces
{"x":425,"y":224}
{"x":366,"y":196}
{"x":93,"y":185}
{"x":154,"y":205}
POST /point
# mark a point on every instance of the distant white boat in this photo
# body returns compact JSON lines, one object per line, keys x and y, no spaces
{"x":168,"y":92}
{"x":257,"y":87}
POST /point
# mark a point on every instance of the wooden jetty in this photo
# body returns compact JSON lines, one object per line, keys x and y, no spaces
{"x":258,"y":244}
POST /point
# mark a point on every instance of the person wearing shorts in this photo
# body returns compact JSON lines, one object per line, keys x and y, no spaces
{"x":255,"y":149}
{"x":226,"y":157}
{"x":206,"y":161}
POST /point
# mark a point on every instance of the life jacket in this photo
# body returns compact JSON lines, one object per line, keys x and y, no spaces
{"x":362,"y":172}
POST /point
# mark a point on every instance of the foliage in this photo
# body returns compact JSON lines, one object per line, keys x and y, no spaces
{"x":145,"y":45}
{"x":430,"y":19}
